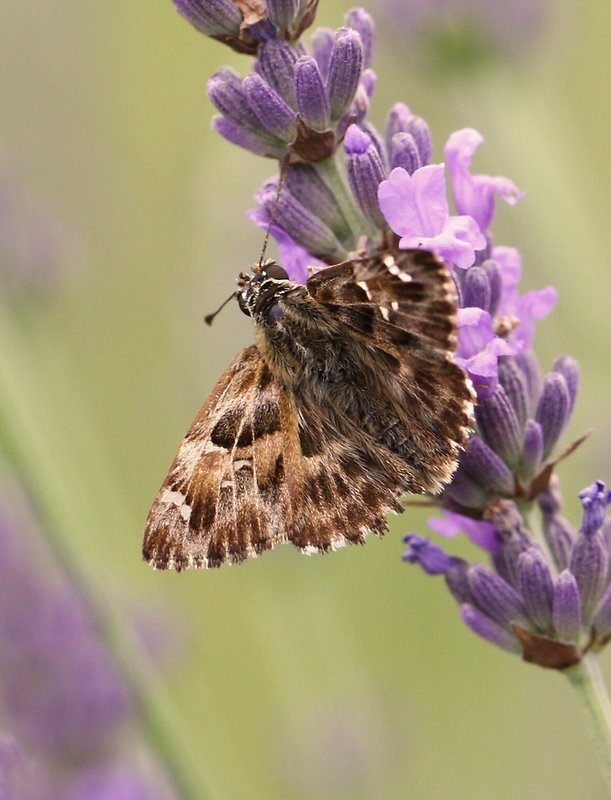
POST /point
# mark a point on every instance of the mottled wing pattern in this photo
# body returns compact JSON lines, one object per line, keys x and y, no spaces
{"x":404,"y":305}
{"x":263,"y":464}
{"x":206,"y":512}
{"x":240,"y":482}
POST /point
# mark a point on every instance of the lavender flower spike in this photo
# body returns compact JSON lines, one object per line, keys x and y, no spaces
{"x":416,"y":208}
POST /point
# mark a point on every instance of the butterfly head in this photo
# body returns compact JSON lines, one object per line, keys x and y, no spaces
{"x":258,"y":292}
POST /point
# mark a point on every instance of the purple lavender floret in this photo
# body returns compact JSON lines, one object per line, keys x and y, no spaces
{"x":527,"y":602}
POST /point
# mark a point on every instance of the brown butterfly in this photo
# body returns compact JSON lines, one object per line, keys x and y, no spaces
{"x":349,"y":399}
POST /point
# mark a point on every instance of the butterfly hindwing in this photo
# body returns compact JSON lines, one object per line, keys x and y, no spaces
{"x":404,"y":306}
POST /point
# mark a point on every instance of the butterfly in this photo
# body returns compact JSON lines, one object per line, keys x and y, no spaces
{"x":348,"y":399}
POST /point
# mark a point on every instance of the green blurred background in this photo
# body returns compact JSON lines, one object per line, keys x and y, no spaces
{"x":347,"y":676}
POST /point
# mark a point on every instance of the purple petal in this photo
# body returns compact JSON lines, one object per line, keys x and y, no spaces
{"x":479,"y":349}
{"x":475,"y":194}
{"x":529,"y":308}
{"x":416,"y":208}
{"x":481,"y":533}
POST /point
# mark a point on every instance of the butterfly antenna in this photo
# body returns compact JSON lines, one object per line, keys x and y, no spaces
{"x":209,"y":318}
{"x":284,"y":168}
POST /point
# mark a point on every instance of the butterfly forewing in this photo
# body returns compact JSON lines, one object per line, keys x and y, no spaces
{"x":348,"y":400}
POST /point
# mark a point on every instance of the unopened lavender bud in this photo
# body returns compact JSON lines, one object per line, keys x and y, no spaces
{"x":532,"y":450}
{"x":211,"y":17}
{"x":304,"y":184}
{"x":404,"y":153}
{"x":345,"y":69}
{"x":515,"y":539}
{"x":378,"y":142}
{"x":495,"y":279}
{"x":513,"y":381}
{"x":419,"y":129}
{"x":476,"y":290}
{"x":494,"y":596}
{"x":365,"y":172}
{"x":602,"y":616}
{"x":594,"y":499}
{"x":499,"y":426}
{"x":275,"y":63}
{"x":227,"y":93}
{"x":528,"y":363}
{"x":553,"y":410}
{"x":322,"y":47}
{"x":359,"y":20}
{"x":484,"y":627}
{"x":396,"y":122}
{"x":282,"y":12}
{"x":257,"y":144}
{"x":536,"y":587}
{"x":272,"y":111}
{"x":569,"y":369}
{"x":566,"y":612}
{"x":559,"y":534}
{"x":302,"y":225}
{"x":486,"y":468}
{"x":589,"y":565}
{"x":311,"y":94}
{"x":369,"y":80}
{"x":457,"y":581}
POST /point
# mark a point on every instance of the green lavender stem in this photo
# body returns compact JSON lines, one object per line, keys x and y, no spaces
{"x":22,"y":433}
{"x":329,"y":172}
{"x":586,"y":678}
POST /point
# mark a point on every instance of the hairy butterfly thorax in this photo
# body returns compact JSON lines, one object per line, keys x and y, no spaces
{"x":349,"y":399}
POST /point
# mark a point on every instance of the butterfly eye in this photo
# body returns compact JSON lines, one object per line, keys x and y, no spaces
{"x":276,"y":272}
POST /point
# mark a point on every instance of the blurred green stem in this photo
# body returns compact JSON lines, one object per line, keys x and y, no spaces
{"x":586,"y":677}
{"x":329,"y":172}
{"x":63,"y":512}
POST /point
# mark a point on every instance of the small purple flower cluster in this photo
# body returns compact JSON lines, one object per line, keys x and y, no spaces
{"x":62,"y":697}
{"x":351,"y":189}
{"x":295,"y":101}
{"x":549,"y":601}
